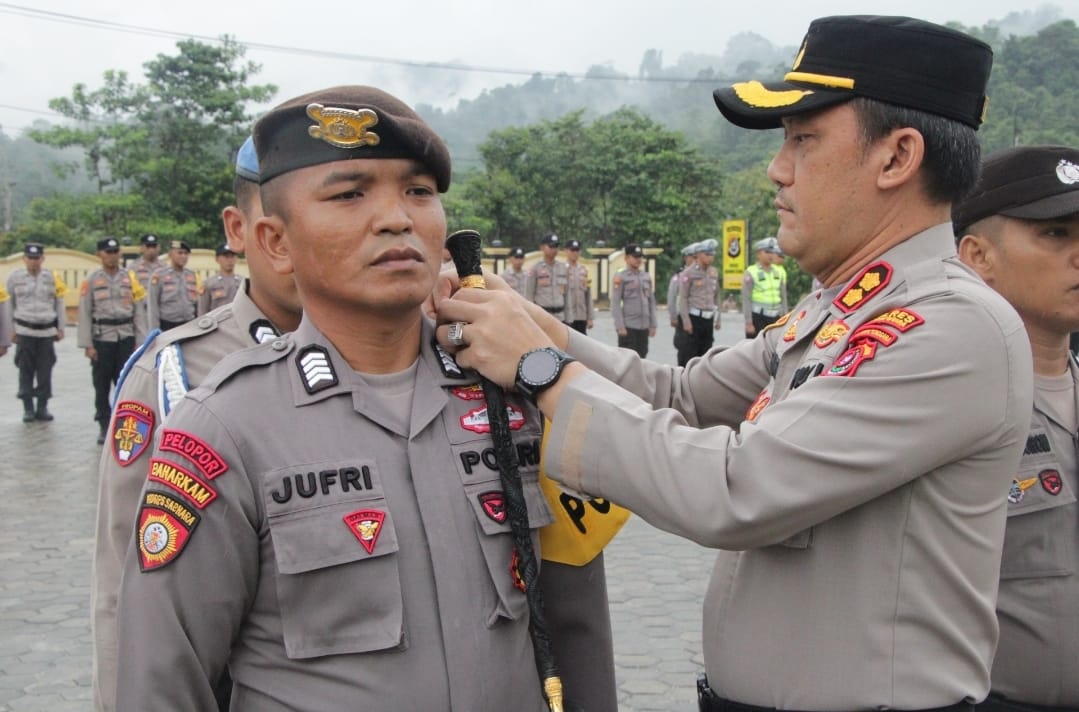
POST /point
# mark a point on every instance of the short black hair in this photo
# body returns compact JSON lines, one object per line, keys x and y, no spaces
{"x":244,"y":190}
{"x":952,"y":152}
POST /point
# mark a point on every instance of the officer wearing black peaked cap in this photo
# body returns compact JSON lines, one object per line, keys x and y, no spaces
{"x":849,"y":463}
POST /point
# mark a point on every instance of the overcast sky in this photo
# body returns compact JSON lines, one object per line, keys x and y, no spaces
{"x":46,"y":47}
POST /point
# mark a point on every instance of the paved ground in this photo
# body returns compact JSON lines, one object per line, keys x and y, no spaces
{"x":48,"y":486}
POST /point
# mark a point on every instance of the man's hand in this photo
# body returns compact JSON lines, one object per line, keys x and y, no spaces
{"x":651,"y":332}
{"x":3,"y":350}
{"x":59,"y":334}
{"x":623,"y":332}
{"x":750,"y":329}
{"x":718,"y":323}
{"x":688,"y":327}
{"x":499,"y":329}
{"x":91,"y":353}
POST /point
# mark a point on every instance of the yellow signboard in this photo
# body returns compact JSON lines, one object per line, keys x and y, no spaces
{"x":734,"y":253}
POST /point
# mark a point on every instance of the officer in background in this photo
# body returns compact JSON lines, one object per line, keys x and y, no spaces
{"x":221,"y":288}
{"x":764,"y":288}
{"x":6,"y":329}
{"x":516,"y":277}
{"x":1019,"y":230}
{"x":37,"y":307}
{"x":157,"y":378}
{"x":148,"y":261}
{"x":108,"y":299}
{"x":633,"y":303}
{"x":174,"y":290}
{"x":698,"y":303}
{"x":688,"y":257}
{"x":546,"y":283}
{"x":578,"y":314}
{"x":851,"y":466}
{"x":325,"y":595}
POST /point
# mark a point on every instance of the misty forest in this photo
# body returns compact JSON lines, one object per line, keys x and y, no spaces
{"x":601,"y":156}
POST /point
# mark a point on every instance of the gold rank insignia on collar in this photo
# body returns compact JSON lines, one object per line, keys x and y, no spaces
{"x":344,"y":128}
{"x":864,"y":287}
{"x":830,"y":333}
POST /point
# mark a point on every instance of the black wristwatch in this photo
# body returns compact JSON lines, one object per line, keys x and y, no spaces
{"x":539,"y":369}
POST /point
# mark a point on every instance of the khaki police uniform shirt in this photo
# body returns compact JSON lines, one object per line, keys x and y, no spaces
{"x":111,"y":297}
{"x":6,"y":328}
{"x":173,"y":296}
{"x":36,"y":300}
{"x":578,"y":294}
{"x":140,"y":407}
{"x":1038,"y":605}
{"x":698,"y":289}
{"x":350,"y":560}
{"x":546,"y":284}
{"x":633,"y":301}
{"x":218,"y":291}
{"x":850,"y":463}
{"x":516,"y":280}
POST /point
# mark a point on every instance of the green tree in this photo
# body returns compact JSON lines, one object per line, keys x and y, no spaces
{"x":619,"y":179}
{"x":166,"y":143}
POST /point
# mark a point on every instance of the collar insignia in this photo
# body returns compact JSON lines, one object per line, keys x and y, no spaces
{"x":315,"y":369}
{"x":447,"y":363}
{"x":830,"y":333}
{"x":344,"y":128}
{"x":262,"y":330}
{"x":863,"y":287}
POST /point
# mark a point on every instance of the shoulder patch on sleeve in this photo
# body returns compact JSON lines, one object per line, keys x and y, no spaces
{"x":132,"y":431}
{"x":165,"y":525}
{"x":197,"y":452}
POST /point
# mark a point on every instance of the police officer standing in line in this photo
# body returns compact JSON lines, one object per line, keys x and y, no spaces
{"x":221,"y":288}
{"x":325,"y":596}
{"x":852,"y":464}
{"x":688,"y":258}
{"x":6,"y":329}
{"x":37,"y":307}
{"x":546,"y":283}
{"x":156,"y":380}
{"x":108,"y":299}
{"x":578,"y":314}
{"x":633,"y":303}
{"x":698,"y":303}
{"x":516,"y":277}
{"x":764,"y":288}
{"x":148,"y":261}
{"x":174,"y":290}
{"x":1019,"y":230}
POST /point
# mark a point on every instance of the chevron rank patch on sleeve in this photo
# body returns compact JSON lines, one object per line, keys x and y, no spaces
{"x":316,"y":370}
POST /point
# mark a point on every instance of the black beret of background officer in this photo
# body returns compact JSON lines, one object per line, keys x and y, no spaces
{"x":850,"y":465}
{"x":1019,"y":230}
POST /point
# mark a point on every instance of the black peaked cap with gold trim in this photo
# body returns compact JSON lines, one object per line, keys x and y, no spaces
{"x":344,"y":123}
{"x":898,"y":60}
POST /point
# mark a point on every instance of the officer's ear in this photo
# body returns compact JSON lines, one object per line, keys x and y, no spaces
{"x":901,"y":153}
{"x":980,"y":254}
{"x":235,"y":223}
{"x":270,"y":240}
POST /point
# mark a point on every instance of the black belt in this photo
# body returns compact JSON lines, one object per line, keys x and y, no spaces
{"x":38,"y":325}
{"x":709,"y":701}
{"x":554,"y":310}
{"x":115,"y":322}
{"x":996,"y":703}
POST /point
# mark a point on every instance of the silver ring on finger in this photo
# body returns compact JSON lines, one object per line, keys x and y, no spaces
{"x":456,"y":334}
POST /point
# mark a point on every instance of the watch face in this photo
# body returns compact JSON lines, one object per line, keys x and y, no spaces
{"x":539,"y":368}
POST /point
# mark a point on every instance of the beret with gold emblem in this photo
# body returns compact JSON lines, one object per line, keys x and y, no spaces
{"x":344,"y":123}
{"x":897,"y":60}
